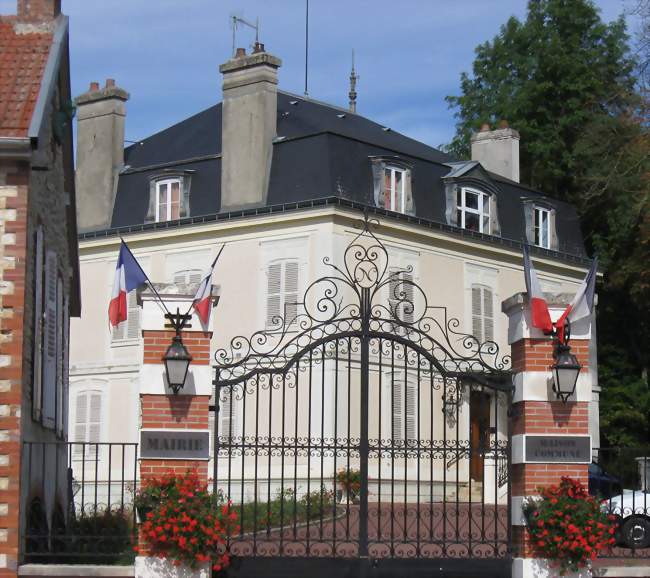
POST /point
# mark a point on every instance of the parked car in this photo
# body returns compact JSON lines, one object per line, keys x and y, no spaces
{"x":632,"y":507}
{"x":602,"y":483}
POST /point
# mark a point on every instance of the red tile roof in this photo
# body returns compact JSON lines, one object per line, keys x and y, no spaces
{"x":22,"y":62}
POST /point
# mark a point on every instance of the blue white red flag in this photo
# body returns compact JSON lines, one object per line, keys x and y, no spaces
{"x":582,"y":304}
{"x":539,"y":314}
{"x":128,"y":277}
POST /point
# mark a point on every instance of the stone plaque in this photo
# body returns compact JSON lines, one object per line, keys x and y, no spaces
{"x":558,"y":449}
{"x":172,"y":444}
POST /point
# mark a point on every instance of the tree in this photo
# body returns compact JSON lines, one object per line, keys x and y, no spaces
{"x":570,"y":85}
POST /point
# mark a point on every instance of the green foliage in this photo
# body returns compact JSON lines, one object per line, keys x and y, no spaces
{"x":567,"y":525}
{"x":285,"y":510}
{"x":566,"y":81}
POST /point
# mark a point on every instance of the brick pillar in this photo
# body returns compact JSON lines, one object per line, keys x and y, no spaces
{"x":183,"y":416}
{"x":536,"y":411}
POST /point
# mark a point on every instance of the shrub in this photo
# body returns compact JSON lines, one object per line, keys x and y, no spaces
{"x":568,"y":526}
{"x":186,"y":523}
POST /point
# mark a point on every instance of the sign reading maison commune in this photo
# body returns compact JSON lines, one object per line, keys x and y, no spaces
{"x":558,"y":449}
{"x":171,"y":444}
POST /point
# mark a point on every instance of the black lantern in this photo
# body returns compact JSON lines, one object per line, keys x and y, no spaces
{"x":177,"y":361}
{"x":565,"y":372}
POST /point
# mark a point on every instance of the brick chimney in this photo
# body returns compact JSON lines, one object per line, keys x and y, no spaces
{"x":101,"y":113}
{"x":497,"y":150}
{"x":38,"y":11}
{"x":248,"y":126}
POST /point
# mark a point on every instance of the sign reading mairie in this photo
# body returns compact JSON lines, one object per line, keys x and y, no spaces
{"x":173,"y":444}
{"x":558,"y":449}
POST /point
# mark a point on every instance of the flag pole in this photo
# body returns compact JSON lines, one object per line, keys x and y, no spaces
{"x":146,"y":277}
{"x":211,"y":269}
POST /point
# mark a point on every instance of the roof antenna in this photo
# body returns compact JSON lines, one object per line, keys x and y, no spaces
{"x":353,"y":87}
{"x":306,"y":43}
{"x":235,"y":22}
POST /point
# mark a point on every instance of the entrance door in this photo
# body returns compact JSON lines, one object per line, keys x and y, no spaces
{"x":479,"y":416}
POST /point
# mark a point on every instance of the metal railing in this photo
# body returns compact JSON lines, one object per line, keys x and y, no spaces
{"x":78,"y":500}
{"x":621,"y":477}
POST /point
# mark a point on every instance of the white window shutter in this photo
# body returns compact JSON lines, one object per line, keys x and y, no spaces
{"x":80,"y":421}
{"x":477,"y":310}
{"x":49,"y":353}
{"x":482,"y":313}
{"x":37,"y":386}
{"x":398,"y":399}
{"x":488,"y":314}
{"x":411,"y":410}
{"x":273,"y":292}
{"x":291,"y":272}
{"x":129,"y":329}
{"x":228,"y":414}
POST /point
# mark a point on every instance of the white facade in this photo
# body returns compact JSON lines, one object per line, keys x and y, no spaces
{"x":267,"y":263}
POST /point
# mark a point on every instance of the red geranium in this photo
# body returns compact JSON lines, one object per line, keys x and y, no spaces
{"x":585,"y":531}
{"x":187,"y":523}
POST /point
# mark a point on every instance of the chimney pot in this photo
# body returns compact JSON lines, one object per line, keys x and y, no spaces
{"x":485,"y":127}
{"x":94,"y":86}
{"x":38,"y":11}
{"x":240,"y":53}
{"x":504,"y":124}
{"x":258,"y":47}
{"x":110,"y":82}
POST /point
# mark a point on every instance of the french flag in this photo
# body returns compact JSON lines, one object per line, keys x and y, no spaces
{"x":540,"y":316}
{"x":203,"y":299}
{"x":582,"y":304}
{"x":128,"y":276}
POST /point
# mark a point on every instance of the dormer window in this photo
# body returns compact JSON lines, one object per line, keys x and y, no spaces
{"x":394,"y":198}
{"x":168,"y":200}
{"x":169,"y":197}
{"x":542,"y":227}
{"x":392,"y":185}
{"x":473,"y":210}
{"x":540,"y":221}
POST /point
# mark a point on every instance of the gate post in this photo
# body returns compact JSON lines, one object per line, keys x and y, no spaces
{"x":174,"y":428}
{"x":537,"y":412}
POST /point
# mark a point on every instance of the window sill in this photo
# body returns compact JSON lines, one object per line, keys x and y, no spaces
{"x":126,"y":342}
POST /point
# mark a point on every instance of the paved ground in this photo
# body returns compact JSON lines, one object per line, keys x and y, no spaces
{"x":402,"y":530}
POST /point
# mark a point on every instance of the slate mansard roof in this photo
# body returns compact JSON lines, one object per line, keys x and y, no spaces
{"x":321,"y":152}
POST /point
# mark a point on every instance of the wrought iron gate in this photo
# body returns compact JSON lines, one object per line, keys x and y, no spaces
{"x":363,"y":426}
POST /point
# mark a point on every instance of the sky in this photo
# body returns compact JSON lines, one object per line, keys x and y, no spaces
{"x":409,"y":53}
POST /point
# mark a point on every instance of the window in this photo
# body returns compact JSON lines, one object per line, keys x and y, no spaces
{"x":282,"y":291}
{"x":482,"y":313}
{"x":473,"y":210}
{"x":542,"y":228}
{"x":403,"y":407}
{"x":129,"y":329}
{"x":188,"y":276}
{"x":87,"y":422}
{"x":168,"y":200}
{"x":400,"y":294}
{"x":392,"y":186}
{"x":394,"y":189}
{"x":228,"y":414}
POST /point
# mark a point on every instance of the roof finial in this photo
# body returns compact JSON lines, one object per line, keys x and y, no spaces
{"x":353,"y":87}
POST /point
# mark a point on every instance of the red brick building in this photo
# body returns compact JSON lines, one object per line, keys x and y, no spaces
{"x":39,"y":273}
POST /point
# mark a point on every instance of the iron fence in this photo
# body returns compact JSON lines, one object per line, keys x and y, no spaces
{"x":621,"y":477}
{"x":79,"y":499}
